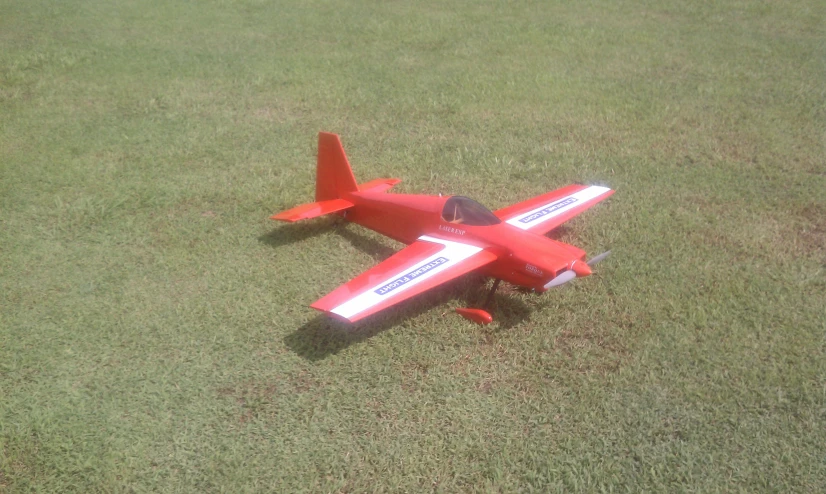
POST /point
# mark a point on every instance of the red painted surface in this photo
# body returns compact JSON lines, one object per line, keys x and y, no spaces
{"x":520,"y":254}
{"x":397,"y":263}
{"x":476,"y":315}
{"x":311,"y":210}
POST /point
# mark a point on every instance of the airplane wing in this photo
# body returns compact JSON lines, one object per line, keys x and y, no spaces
{"x":422,"y":265}
{"x":546,"y":212}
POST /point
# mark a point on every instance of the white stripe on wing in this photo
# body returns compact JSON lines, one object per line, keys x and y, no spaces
{"x":452,"y":254}
{"x":552,"y":209}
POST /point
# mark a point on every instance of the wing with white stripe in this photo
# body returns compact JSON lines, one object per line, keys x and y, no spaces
{"x":546,"y":212}
{"x":422,"y":265}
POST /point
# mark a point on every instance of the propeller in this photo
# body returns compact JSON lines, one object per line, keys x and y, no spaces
{"x":561,"y":279}
{"x":577,"y":270}
{"x":594,"y":260}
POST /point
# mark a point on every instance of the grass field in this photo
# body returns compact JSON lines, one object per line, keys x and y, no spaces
{"x":154,"y":328}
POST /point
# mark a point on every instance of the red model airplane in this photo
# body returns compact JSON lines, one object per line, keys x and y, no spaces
{"x":446,"y":236}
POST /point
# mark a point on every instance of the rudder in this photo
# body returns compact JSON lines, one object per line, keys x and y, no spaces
{"x":333,"y":173}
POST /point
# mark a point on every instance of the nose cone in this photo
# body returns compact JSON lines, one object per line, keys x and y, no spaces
{"x":581,"y":269}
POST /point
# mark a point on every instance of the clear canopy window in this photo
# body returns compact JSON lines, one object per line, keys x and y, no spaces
{"x":465,"y":211}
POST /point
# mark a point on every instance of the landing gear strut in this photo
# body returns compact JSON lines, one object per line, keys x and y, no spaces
{"x":489,"y":299}
{"x":481,"y":316}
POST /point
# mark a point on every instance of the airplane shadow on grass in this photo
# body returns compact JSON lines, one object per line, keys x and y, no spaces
{"x":323,"y":336}
{"x":290,"y":234}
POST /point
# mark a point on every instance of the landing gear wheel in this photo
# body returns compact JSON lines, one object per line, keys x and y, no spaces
{"x":481,"y":316}
{"x":476,"y":315}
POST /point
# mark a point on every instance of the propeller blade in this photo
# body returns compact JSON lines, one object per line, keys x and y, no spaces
{"x":561,"y":279}
{"x":598,"y":258}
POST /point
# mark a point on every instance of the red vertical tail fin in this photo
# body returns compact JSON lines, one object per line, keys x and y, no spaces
{"x":333,"y":173}
{"x":334,"y":179}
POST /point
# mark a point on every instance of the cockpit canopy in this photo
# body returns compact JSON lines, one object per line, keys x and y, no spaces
{"x":466,"y":211}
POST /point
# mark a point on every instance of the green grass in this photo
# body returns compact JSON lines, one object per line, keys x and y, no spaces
{"x":154,"y":328}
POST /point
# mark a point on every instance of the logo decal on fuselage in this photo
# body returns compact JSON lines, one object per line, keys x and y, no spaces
{"x":533,"y":269}
{"x":406,"y":278}
{"x":550,"y":209}
{"x":451,"y":229}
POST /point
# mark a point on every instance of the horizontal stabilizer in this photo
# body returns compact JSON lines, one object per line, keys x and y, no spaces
{"x":312,"y":210}
{"x":379,"y":184}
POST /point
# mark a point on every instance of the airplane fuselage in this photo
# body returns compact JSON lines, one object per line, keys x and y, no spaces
{"x":523,"y":258}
